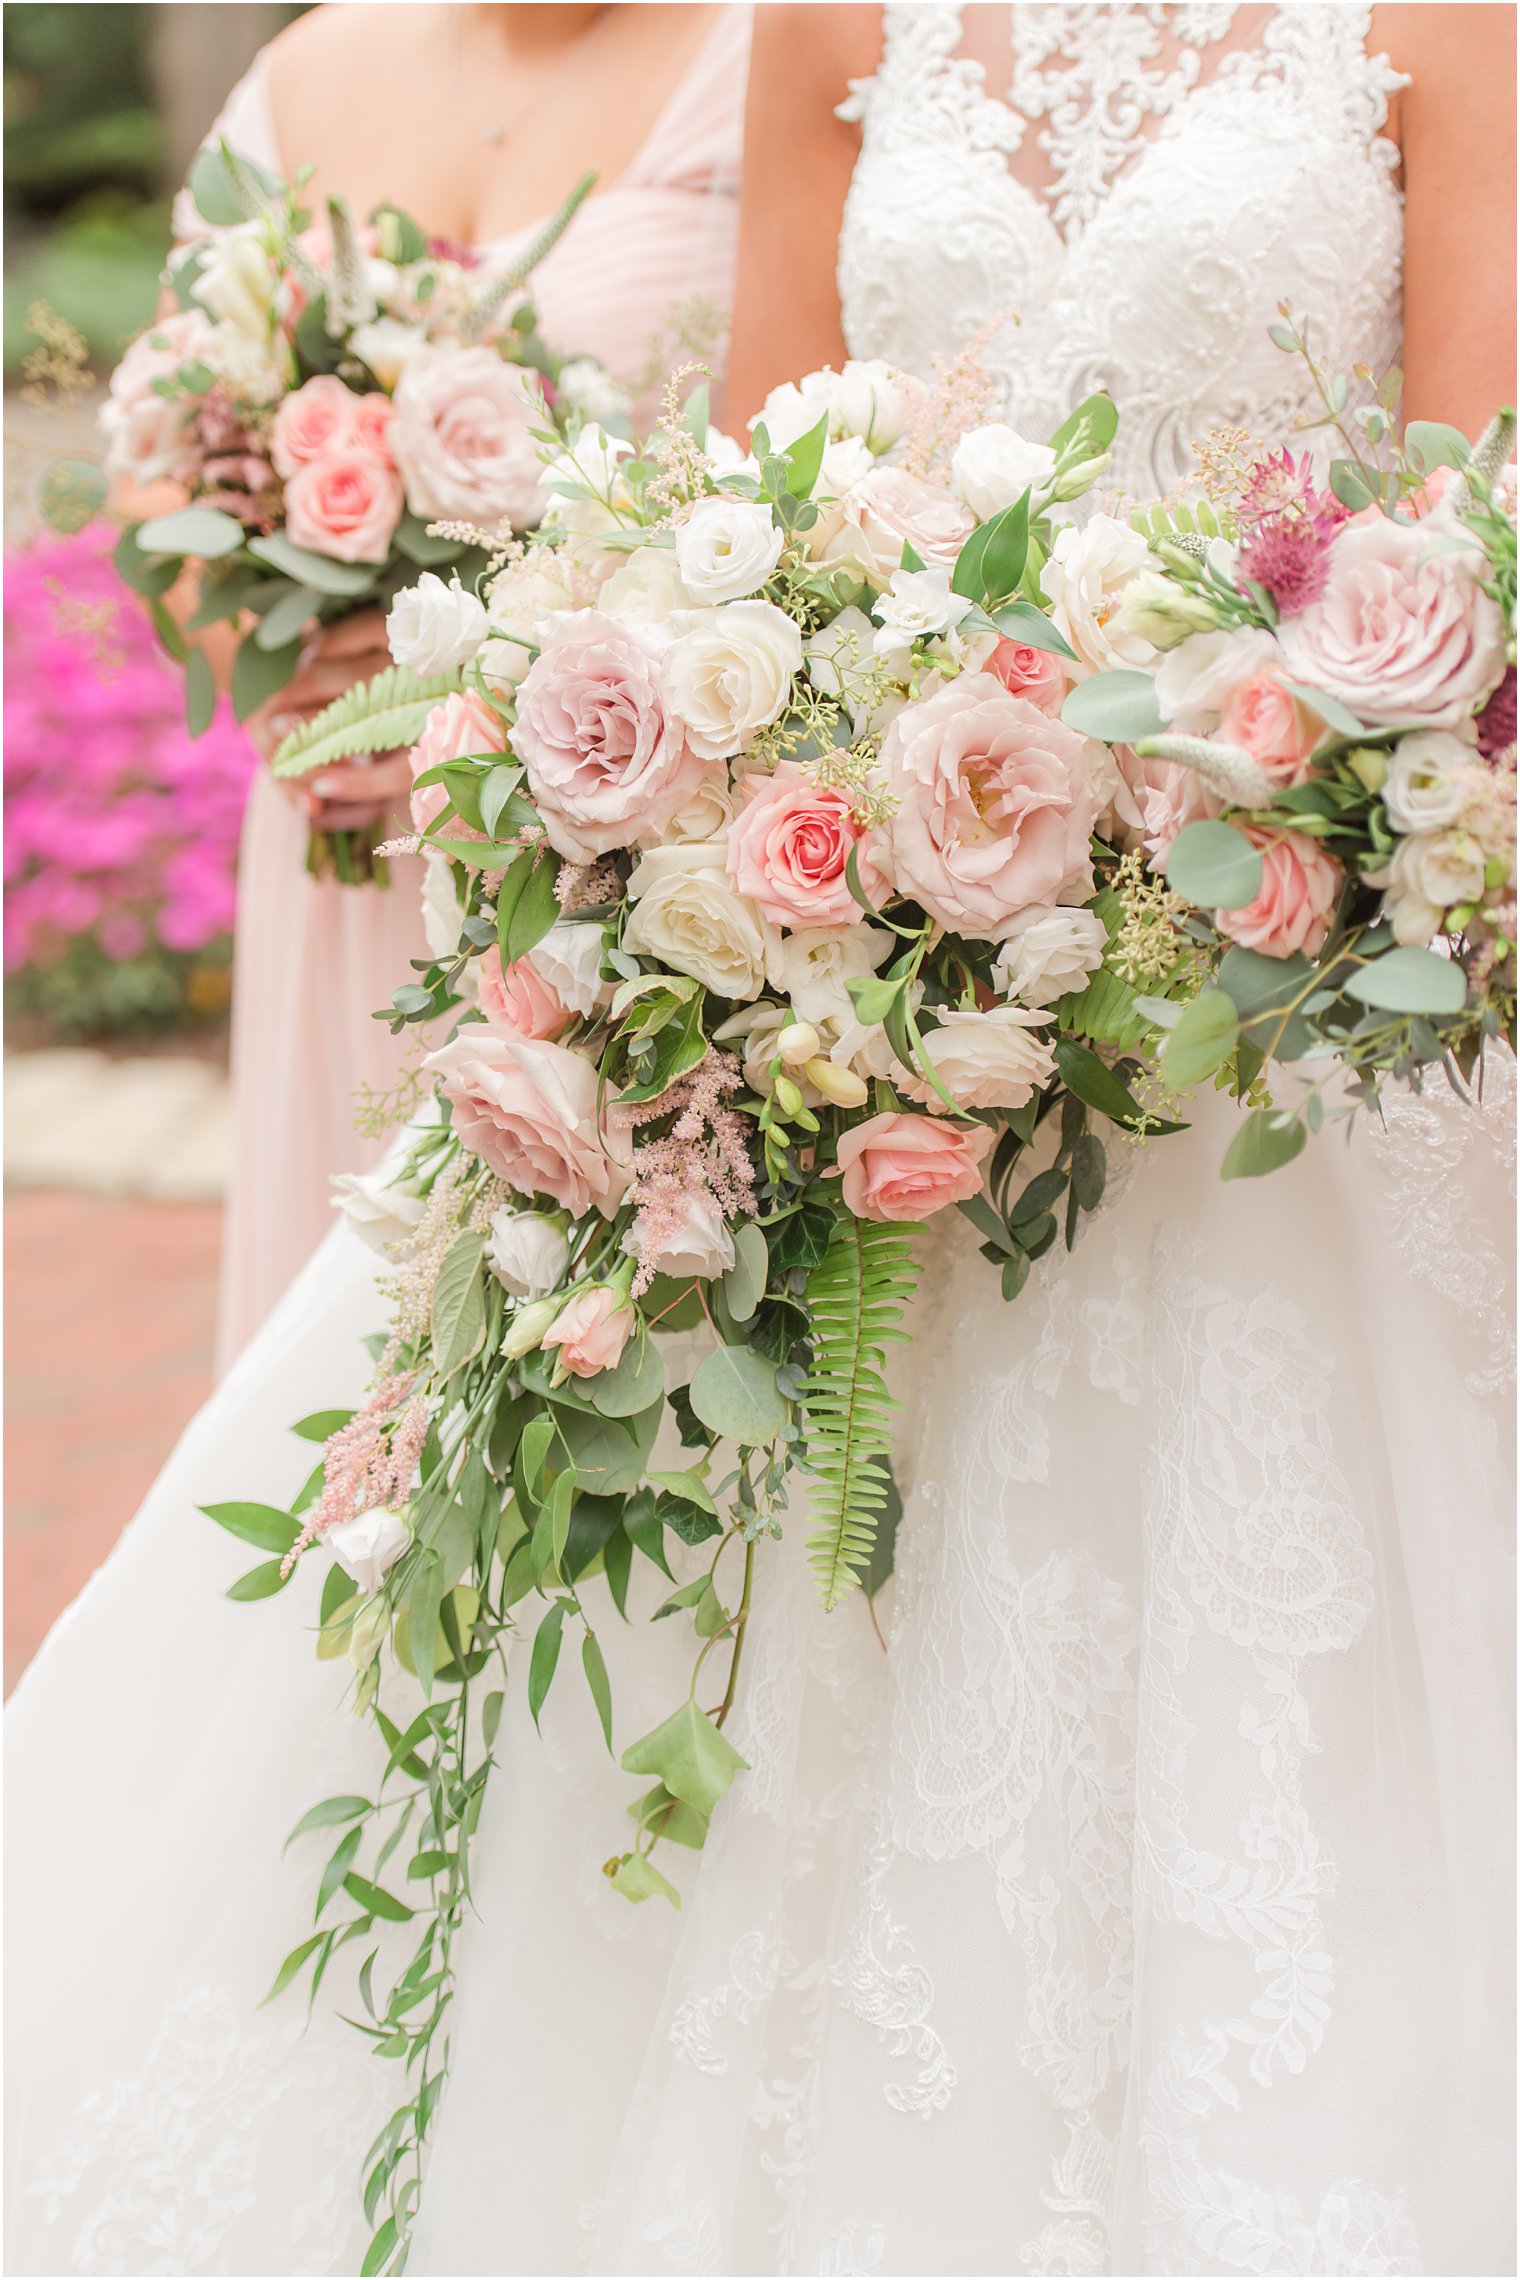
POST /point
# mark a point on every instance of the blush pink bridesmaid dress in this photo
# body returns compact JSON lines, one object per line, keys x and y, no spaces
{"x":314,"y":959}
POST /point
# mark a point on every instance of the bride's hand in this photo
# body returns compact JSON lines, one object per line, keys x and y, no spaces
{"x":350,"y":793}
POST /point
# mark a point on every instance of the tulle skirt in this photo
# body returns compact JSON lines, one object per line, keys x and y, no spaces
{"x":1145,"y":1908}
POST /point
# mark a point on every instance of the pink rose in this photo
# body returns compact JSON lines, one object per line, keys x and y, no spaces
{"x":591,"y":1331}
{"x":1401,"y":633}
{"x":1279,"y":733}
{"x":152,"y":437}
{"x":528,"y":1109}
{"x":1027,"y":672}
{"x":1156,"y":798}
{"x":1300,"y":885}
{"x":463,"y":437}
{"x":316,"y":420}
{"x":904,"y":1167}
{"x":346,"y":505}
{"x":516,"y":1000}
{"x":454,"y":730}
{"x":995,"y":807}
{"x":607,"y":759}
{"x":889,"y":509}
{"x":788,"y":848}
{"x":373,"y":414}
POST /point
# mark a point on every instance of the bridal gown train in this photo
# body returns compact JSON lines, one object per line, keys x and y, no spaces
{"x":1146,"y":1908}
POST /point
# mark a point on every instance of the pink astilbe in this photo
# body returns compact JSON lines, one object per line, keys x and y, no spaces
{"x":703,"y":1157}
{"x":958,"y":397}
{"x":1287,"y":525}
{"x":583,"y":886}
{"x":369,"y":1461}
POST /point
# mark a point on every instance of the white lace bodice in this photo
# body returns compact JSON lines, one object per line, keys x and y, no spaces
{"x":1141,"y":197}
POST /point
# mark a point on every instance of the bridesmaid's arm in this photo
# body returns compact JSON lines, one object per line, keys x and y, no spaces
{"x":1457,"y":134}
{"x":798,"y":159}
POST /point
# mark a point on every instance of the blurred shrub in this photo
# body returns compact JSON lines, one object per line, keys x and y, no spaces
{"x":121,"y":831}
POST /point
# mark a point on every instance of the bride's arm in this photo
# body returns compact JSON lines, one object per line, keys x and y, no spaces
{"x":1457,"y":135}
{"x":798,"y":159}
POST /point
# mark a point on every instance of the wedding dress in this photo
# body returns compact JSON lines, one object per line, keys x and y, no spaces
{"x":1146,"y":1907}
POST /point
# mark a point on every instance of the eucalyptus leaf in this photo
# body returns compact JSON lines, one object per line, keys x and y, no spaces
{"x":1410,"y":980}
{"x":288,"y":618}
{"x":258,"y":674}
{"x":1117,"y":708}
{"x":638,"y":1380}
{"x":202,"y":531}
{"x":1214,"y":866}
{"x":1202,"y":1041}
{"x":734,"y":1393}
{"x":200,"y":692}
{"x":1263,"y":1144}
{"x":304,"y":568}
{"x":744,"y":1284}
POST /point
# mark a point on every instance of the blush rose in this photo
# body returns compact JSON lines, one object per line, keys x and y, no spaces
{"x":516,"y":999}
{"x":789,"y":848}
{"x":529,"y":1110}
{"x":905,"y":1167}
{"x":463,"y":437}
{"x":461,"y":725}
{"x":1292,"y":908}
{"x":591,"y":1331}
{"x":345,"y":505}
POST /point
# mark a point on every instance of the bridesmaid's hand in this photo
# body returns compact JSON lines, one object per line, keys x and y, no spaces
{"x":351,"y":793}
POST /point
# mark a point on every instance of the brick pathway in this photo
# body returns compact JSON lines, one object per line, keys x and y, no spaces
{"x":110,"y":1306}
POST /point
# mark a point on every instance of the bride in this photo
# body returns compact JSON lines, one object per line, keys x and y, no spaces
{"x":1145,"y":1908}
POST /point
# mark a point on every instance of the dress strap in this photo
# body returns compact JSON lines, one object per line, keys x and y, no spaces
{"x":699,"y":136}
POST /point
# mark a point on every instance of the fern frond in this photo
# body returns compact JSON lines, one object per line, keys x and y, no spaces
{"x":382,"y":715}
{"x":856,"y":1296}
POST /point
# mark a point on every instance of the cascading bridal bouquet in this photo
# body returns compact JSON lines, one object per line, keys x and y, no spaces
{"x":788,"y":886}
{"x":323,"y":395}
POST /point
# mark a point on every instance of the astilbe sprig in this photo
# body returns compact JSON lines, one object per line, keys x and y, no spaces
{"x":704,"y":1156}
{"x":369,"y":1462}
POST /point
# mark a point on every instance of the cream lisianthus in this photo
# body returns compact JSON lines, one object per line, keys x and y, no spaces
{"x":1088,"y":571}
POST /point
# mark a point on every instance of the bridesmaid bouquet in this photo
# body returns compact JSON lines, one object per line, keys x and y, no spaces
{"x":817,"y":840}
{"x":322,"y":394}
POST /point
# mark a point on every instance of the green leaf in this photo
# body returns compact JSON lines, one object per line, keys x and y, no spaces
{"x":689,"y":1486}
{"x":599,"y":1683}
{"x":379,"y":2251}
{"x":638,"y":1380}
{"x":215,"y":187}
{"x":856,"y":1296}
{"x":689,"y":1755}
{"x":884,"y":1543}
{"x":331,"y":1812}
{"x":669,"y":1818}
{"x":412,"y":539}
{"x":1021,"y":621}
{"x":1330,"y":709}
{"x":734,"y":1393}
{"x":459,"y":1307}
{"x":1092,"y":1080}
{"x":376,"y":1901}
{"x":636,"y":1880}
{"x":338,"y":1867}
{"x":203,"y":531}
{"x":303,"y":568}
{"x":744,"y":1284}
{"x":1117,"y":708}
{"x":292,"y":1964}
{"x":526,"y":902}
{"x":541,"y":1667}
{"x":200,"y":692}
{"x":805,"y":459}
{"x":609,"y":1453}
{"x":287,"y":619}
{"x":991,"y":563}
{"x":423,"y":1635}
{"x":500,"y":783}
{"x":1202,"y":1041}
{"x":1095,"y":420}
{"x":427,"y":1864}
{"x":146,"y":574}
{"x":1214,"y":866}
{"x":261,"y":1525}
{"x":261,"y":1582}
{"x":257,"y":674}
{"x":1431,"y":443}
{"x":322,"y":1424}
{"x":1410,"y":980}
{"x":1264,"y":1142}
{"x":382,"y":715}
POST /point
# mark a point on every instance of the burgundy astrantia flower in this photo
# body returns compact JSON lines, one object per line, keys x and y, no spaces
{"x":1496,"y":722}
{"x":454,"y":249}
{"x":1286,"y":526}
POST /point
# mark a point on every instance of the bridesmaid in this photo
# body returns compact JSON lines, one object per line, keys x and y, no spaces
{"x":476,"y":120}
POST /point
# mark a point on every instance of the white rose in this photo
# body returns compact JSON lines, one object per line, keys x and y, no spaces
{"x":917,"y":605}
{"x":592,"y":391}
{"x":1050,"y":953}
{"x":569,"y":957}
{"x":527,"y":1252}
{"x":726,"y":456}
{"x":387,"y":346}
{"x":646,"y":589}
{"x":791,"y":412}
{"x":368,"y":1547}
{"x":380,"y":1211}
{"x":997,"y":1059}
{"x":727,"y":549}
{"x":868,"y":401}
{"x":706,"y":815}
{"x":814,"y":964}
{"x":1196,"y":680}
{"x":434,"y":627}
{"x":994,"y":465}
{"x":703,"y":1246}
{"x":1422,"y":790}
{"x":688,"y":917}
{"x":237,"y":281}
{"x":503,"y":664}
{"x":1085,"y":578}
{"x":730,"y":674}
{"x":1430,"y":873}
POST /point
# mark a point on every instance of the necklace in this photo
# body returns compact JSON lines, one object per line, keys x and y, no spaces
{"x":493,"y":132}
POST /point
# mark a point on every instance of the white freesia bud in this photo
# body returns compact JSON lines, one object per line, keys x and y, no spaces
{"x":1163,"y":613}
{"x":527,"y":1252}
{"x":434,"y":627}
{"x":798,"y":1042}
{"x":367,"y":1548}
{"x":379,"y":1211}
{"x":994,"y":465}
{"x":526,"y":1329}
{"x":727,"y":549}
{"x":841,"y":1086}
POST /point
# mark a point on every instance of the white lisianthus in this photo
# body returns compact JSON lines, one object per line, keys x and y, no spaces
{"x":839,"y":659}
{"x":867,"y":400}
{"x":380,"y":1211}
{"x":1422,"y":790}
{"x":917,"y":605}
{"x":646,"y":589}
{"x":569,"y":957}
{"x":793,"y":411}
{"x":725,"y":455}
{"x":387,"y":346}
{"x":729,"y":674}
{"x":845,"y":464}
{"x":702,"y":1247}
{"x":1431,"y":873}
{"x":1196,"y":680}
{"x":994,"y":465}
{"x":727,"y":549}
{"x":706,"y":815}
{"x":1161,"y":612}
{"x":595,"y":496}
{"x":1049,"y":953}
{"x":435,"y":626}
{"x":368,"y":1546}
{"x":997,"y":1059}
{"x":815,"y":963}
{"x":591,"y":390}
{"x":1085,"y":579}
{"x":237,"y":281}
{"x":527,"y":1252}
{"x":687,"y":915}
